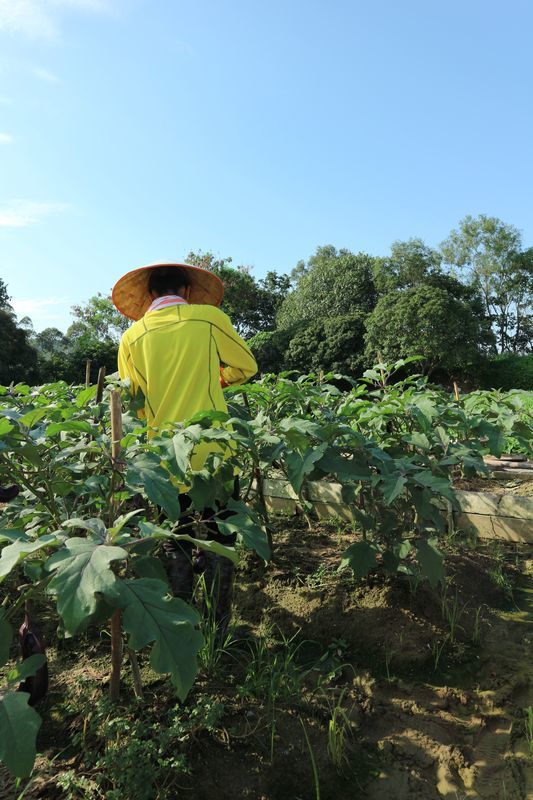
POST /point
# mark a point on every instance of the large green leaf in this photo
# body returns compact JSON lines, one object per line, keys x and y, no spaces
{"x":361,"y":557}
{"x":145,"y":474}
{"x":151,"y":616}
{"x":94,"y":525}
{"x":70,"y":426}
{"x":19,"y":725}
{"x":31,"y":417}
{"x":351,"y":469}
{"x":204,"y":490}
{"x":419,"y":440}
{"x":12,"y":535}
{"x":13,"y":553}
{"x":25,"y":668}
{"x":436,"y":484}
{"x":86,"y":395}
{"x":392,"y":486}
{"x":431,"y":560}
{"x":299,"y":466}
{"x":5,"y":426}
{"x":149,"y":567}
{"x":82,"y":570}
{"x":156,"y":532}
{"x":245,"y":524}
{"x":181,"y":452}
{"x":424,"y":411}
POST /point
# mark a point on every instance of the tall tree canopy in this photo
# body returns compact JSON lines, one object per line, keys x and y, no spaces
{"x":98,"y":320}
{"x":488,"y":252}
{"x":410,"y":263}
{"x":19,"y":359}
{"x":4,"y":297}
{"x":333,"y":283}
{"x":427,"y":320}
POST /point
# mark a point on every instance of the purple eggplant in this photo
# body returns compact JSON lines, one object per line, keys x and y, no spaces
{"x":31,"y":642}
{"x":9,"y":493}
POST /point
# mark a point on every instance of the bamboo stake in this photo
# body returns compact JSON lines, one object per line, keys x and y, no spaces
{"x":88,"y":373}
{"x":116,"y":633}
{"x":100,"y":385}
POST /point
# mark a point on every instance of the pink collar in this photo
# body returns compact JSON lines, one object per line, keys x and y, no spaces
{"x":166,"y":301}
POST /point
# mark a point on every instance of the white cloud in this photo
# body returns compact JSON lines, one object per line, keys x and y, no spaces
{"x":29,"y":17}
{"x":5,"y":138}
{"x":21,"y":213}
{"x":37,"y":306}
{"x":39,"y":19}
{"x":45,"y":75}
{"x":44,"y":312}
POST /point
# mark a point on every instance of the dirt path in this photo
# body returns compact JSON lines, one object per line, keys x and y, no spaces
{"x":462,"y":743}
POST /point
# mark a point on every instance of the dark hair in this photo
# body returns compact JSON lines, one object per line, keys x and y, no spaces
{"x":167,"y":280}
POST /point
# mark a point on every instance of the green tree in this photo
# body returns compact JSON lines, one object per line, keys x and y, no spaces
{"x":4,"y":297}
{"x":269,"y":348}
{"x":410,"y":263}
{"x":98,"y":319}
{"x":19,"y":359}
{"x":427,"y":320}
{"x":332,"y":284}
{"x":332,"y":344}
{"x":488,"y":253}
{"x":252,"y":305}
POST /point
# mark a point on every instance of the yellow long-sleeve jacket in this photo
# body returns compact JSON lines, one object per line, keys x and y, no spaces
{"x":174,"y":356}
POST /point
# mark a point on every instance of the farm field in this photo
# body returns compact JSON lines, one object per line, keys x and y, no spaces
{"x":415,"y":714}
{"x":388,"y":656}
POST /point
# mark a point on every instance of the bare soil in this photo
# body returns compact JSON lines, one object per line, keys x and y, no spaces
{"x":520,"y":488}
{"x":426,"y":717}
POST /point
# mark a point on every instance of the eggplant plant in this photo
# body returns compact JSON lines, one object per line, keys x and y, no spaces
{"x":86,"y":530}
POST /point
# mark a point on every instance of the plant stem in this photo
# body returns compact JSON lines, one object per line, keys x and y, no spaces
{"x":136,"y":674}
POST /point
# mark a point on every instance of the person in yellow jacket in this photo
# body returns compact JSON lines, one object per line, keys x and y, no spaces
{"x":181,"y":351}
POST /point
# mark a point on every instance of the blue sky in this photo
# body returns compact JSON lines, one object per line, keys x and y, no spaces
{"x":137,"y":130}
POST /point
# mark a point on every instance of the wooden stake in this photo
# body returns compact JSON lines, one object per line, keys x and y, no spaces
{"x":116,"y":632}
{"x":88,"y":373}
{"x":100,"y":385}
{"x":116,"y":424}
{"x":456,"y":390}
{"x":116,"y":656}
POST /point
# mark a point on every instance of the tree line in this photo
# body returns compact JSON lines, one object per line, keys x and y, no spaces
{"x":465,"y":307}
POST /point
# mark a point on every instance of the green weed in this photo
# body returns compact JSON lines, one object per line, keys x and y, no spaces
{"x":437,"y":650}
{"x":215,"y":647}
{"x":273,"y":671}
{"x":451,"y":611}
{"x":339,"y":730}
{"x":313,"y":761}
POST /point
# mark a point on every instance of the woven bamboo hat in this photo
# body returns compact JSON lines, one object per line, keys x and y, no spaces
{"x":132,"y":298}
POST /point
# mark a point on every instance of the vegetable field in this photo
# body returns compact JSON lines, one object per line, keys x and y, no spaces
{"x":388,"y":656}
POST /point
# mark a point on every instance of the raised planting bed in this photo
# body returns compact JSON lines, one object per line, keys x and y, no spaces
{"x":492,"y":516}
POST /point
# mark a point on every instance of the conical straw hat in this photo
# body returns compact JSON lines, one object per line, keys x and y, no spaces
{"x":130,"y":293}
